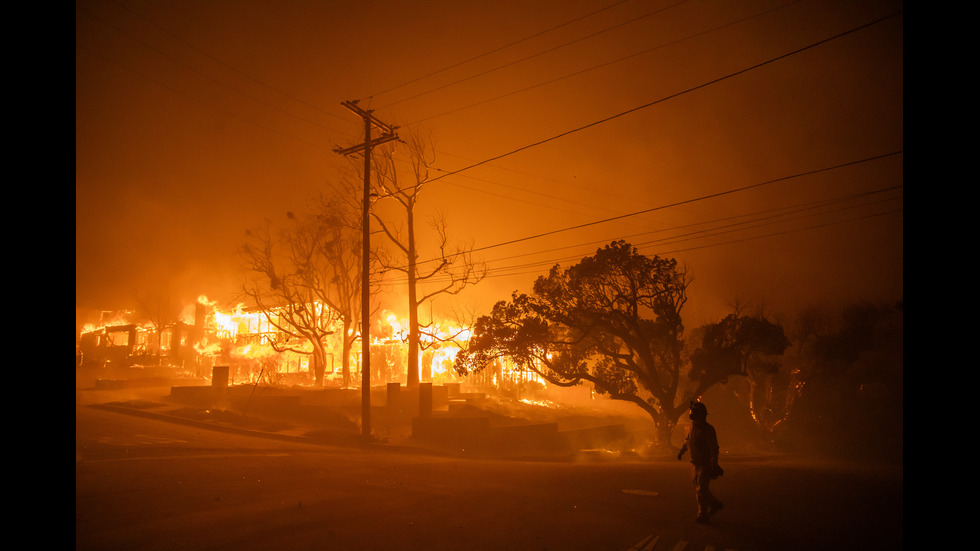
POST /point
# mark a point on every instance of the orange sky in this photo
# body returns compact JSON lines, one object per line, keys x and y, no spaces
{"x":195,"y":121}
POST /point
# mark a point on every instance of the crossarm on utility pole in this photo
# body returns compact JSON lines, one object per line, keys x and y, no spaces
{"x":387,"y":135}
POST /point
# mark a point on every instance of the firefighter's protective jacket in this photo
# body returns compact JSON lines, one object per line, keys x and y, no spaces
{"x":702,"y":443}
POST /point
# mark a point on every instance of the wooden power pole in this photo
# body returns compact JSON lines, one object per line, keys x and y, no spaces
{"x":387,"y":135}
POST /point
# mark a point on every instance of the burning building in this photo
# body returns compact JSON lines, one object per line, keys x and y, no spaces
{"x":249,"y":342}
{"x":126,"y":344}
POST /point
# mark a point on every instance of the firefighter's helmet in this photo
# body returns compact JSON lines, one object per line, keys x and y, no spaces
{"x":698,"y":410}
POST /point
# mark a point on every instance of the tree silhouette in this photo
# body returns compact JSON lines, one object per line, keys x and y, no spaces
{"x":852,"y":361}
{"x":741,"y":345}
{"x":449,"y":271}
{"x":306,"y":279}
{"x":613,"y":319}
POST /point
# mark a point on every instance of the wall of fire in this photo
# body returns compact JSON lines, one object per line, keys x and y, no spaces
{"x":242,"y":339}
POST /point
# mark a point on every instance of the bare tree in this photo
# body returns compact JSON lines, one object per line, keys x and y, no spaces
{"x":338,"y":216}
{"x":449,"y":271}
{"x":306,"y":279}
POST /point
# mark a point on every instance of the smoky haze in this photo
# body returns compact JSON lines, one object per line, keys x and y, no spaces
{"x":196,"y":122}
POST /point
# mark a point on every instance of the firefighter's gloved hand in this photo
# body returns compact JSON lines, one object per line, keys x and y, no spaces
{"x":680,"y":455}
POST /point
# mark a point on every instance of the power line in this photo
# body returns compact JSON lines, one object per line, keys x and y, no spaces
{"x":532,"y":56}
{"x":737,"y":221}
{"x":694,"y":200}
{"x":648,"y":104}
{"x":499,"y":48}
{"x":607,"y":63}
{"x":687,"y":201}
{"x":535,"y":267}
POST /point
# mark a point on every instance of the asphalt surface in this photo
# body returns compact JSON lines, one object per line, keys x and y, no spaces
{"x":127,"y":485}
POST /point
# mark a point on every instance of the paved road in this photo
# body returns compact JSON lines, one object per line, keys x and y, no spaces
{"x":148,"y":484}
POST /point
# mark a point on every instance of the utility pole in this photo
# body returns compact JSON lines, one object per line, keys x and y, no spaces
{"x":387,"y":135}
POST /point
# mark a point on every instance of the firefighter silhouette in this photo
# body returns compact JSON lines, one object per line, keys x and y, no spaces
{"x":702,"y":441}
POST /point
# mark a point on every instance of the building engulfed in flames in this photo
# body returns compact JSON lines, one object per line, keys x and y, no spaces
{"x":242,"y":340}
